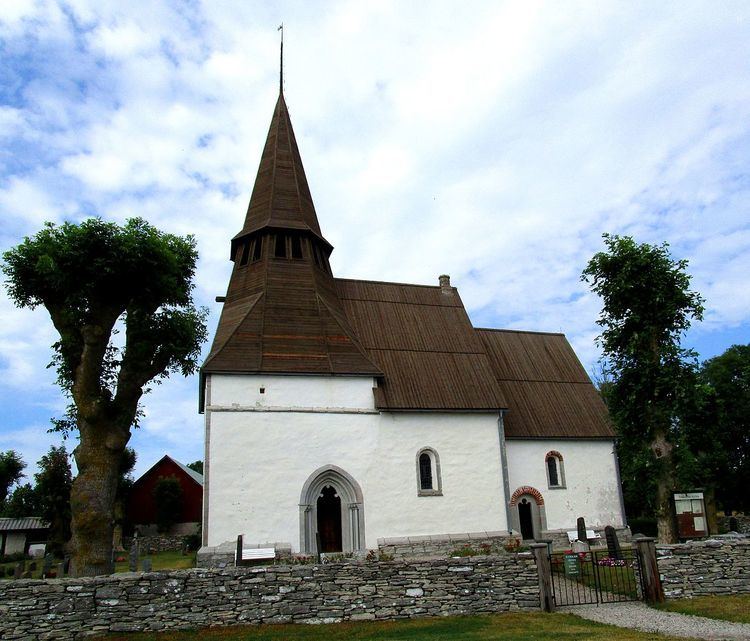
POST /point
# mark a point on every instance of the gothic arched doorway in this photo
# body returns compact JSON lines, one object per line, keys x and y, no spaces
{"x":331,"y":506}
{"x":329,"y":520}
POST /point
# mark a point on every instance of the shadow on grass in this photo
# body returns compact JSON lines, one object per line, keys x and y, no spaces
{"x":527,"y":626}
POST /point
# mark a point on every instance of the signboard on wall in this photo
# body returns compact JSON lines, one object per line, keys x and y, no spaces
{"x":690,"y":513}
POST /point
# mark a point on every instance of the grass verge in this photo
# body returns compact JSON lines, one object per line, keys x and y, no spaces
{"x":516,"y":626}
{"x":170,"y":560}
{"x":732,"y":607}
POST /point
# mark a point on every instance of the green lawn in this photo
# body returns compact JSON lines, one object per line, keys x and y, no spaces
{"x":172,"y":560}
{"x":732,"y":607}
{"x":526,"y":626}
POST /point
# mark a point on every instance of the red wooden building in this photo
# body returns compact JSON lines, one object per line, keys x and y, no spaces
{"x":142,"y":508}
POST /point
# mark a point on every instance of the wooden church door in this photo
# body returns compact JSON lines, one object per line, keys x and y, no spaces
{"x":526,"y":520}
{"x":329,"y":520}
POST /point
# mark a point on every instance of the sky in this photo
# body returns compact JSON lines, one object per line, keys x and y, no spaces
{"x":492,"y":141}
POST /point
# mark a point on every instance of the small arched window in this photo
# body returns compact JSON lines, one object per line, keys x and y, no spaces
{"x":428,"y":473}
{"x":555,"y":471}
{"x":425,"y":471}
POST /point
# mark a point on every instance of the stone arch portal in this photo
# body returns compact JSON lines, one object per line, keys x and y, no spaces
{"x":527,"y":513}
{"x":328,"y":482}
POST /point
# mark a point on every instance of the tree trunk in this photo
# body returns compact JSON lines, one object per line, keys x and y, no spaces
{"x":665,"y":485}
{"x":92,"y":498}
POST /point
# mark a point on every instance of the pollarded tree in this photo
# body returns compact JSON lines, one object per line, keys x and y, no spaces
{"x":647,"y":307}
{"x":90,"y":277}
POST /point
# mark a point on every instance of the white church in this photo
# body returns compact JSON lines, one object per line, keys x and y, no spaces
{"x":342,"y":415}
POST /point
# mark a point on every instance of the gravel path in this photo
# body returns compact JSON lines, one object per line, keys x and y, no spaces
{"x":641,"y":617}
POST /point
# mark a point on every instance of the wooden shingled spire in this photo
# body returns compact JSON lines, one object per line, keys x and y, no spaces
{"x":282,"y":312}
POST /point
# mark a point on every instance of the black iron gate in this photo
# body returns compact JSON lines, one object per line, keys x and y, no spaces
{"x":595,"y":577}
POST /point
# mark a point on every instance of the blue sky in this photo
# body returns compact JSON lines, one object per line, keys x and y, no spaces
{"x":492,"y":141}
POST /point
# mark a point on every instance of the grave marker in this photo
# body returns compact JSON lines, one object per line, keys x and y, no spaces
{"x":581,"y":523}
{"x":133,"y":560}
{"x":613,"y":544}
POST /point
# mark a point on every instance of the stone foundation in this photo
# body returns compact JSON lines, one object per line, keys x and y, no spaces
{"x":222,"y":556}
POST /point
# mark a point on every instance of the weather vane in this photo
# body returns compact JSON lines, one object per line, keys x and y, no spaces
{"x":281,"y":61}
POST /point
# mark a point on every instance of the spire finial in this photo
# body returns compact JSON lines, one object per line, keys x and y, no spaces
{"x":281,"y":60}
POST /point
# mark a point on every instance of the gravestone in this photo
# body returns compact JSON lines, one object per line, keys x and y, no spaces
{"x":613,"y":544}
{"x":581,"y":523}
{"x":146,"y":565}
{"x":60,"y":570}
{"x":47,"y":565}
{"x":18,"y":570}
{"x":133,"y":560}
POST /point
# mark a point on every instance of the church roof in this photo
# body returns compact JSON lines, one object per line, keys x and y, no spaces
{"x":281,"y":196}
{"x":281,"y":312}
{"x":285,"y":313}
{"x":423,"y":341}
{"x":550,"y":395}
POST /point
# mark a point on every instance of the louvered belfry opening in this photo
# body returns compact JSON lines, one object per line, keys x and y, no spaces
{"x":282,"y":312}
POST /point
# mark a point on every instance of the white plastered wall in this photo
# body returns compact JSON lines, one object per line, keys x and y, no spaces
{"x":260,"y":454}
{"x":591,"y":484}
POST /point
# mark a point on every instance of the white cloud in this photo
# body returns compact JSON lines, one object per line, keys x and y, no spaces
{"x":494,"y":141}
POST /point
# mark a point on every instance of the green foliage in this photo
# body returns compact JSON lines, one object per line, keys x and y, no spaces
{"x":718,"y":433}
{"x":91,"y":275}
{"x":196,"y":466}
{"x":23,"y":502}
{"x":647,"y":305}
{"x":53,"y":483}
{"x":11,"y":470}
{"x":168,"y":498}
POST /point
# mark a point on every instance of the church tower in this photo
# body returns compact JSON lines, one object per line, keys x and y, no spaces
{"x":282,"y":313}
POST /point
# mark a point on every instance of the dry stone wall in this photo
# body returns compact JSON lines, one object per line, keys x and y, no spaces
{"x":32,"y":610}
{"x":715,"y":566}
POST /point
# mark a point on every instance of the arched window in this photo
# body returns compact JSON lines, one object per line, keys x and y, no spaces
{"x":425,"y":471}
{"x":555,"y":471}
{"x":428,"y":473}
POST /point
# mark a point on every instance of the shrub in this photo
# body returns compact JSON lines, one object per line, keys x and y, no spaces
{"x":464,"y":551}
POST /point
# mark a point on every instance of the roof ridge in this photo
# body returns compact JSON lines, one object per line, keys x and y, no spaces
{"x":388,"y":282}
{"x":517,"y":331}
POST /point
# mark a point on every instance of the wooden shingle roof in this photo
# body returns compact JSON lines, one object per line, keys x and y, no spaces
{"x":550,"y":394}
{"x":281,"y":196}
{"x":281,"y":312}
{"x":423,"y":341}
{"x":287,"y":314}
